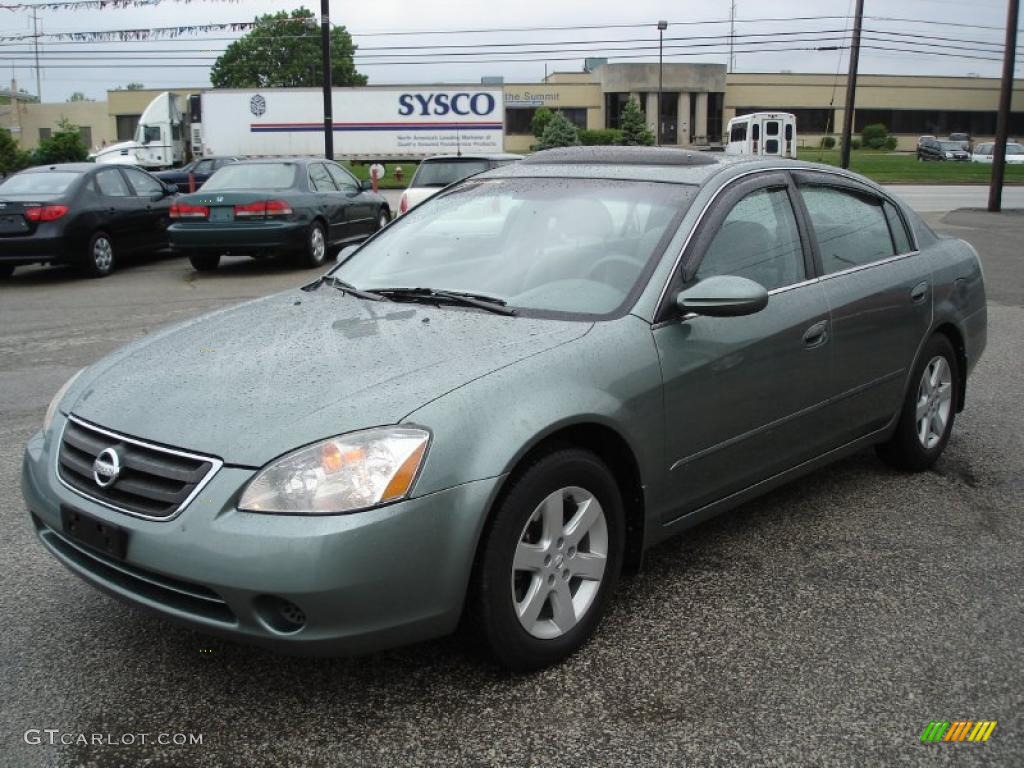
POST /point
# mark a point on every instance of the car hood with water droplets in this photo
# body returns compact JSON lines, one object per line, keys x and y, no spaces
{"x":257,"y":380}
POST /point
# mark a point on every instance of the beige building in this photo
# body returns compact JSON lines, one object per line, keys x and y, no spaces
{"x":697,"y":102}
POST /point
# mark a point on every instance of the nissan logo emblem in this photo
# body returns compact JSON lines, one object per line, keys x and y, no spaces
{"x":106,"y":468}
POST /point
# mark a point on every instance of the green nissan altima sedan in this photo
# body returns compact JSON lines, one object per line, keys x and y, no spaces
{"x":490,"y":409}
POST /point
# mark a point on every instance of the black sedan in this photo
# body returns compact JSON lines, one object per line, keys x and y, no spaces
{"x":941,"y":149}
{"x":189,"y":178}
{"x":81,"y":214}
{"x":297,"y":207}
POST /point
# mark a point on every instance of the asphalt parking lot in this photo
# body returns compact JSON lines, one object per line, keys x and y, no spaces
{"x":825,"y":624}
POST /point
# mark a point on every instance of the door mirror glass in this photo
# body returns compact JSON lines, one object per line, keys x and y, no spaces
{"x":345,"y":252}
{"x":723,"y":296}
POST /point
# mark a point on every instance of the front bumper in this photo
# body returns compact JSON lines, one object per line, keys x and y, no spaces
{"x":361,"y":582}
{"x":237,"y":237}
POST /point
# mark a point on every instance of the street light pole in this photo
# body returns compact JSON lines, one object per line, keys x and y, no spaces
{"x":995,"y":193}
{"x":662,"y":26}
{"x":325,"y":45}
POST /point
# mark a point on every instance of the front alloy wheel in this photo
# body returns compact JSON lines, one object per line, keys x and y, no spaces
{"x":316,"y":245}
{"x":549,"y":559}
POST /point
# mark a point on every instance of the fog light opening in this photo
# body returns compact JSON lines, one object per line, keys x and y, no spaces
{"x":279,"y":614}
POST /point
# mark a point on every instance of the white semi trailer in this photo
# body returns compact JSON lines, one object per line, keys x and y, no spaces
{"x":369,"y":124}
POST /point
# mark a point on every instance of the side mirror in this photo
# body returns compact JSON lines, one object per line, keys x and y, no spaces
{"x":366,"y":185}
{"x":345,"y":252}
{"x":723,"y":296}
{"x":170,"y":189}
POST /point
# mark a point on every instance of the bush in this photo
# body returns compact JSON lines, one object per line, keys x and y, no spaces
{"x":854,"y":143}
{"x":875,"y":136}
{"x":828,"y":142}
{"x":891,"y":143}
{"x":540,"y":121}
{"x":12,"y":158}
{"x":65,"y":146}
{"x":600,"y":137}
{"x":634,"y":127}
{"x":559,"y":133}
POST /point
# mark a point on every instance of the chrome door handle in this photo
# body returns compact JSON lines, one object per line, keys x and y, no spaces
{"x":816,"y":335}
{"x":919,"y":292}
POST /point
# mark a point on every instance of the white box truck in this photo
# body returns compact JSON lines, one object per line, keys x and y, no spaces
{"x":369,"y":124}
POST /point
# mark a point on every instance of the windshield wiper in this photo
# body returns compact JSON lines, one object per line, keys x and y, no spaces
{"x":341,"y":285}
{"x":437,"y":295}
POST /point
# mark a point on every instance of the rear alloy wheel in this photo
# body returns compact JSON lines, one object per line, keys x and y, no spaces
{"x":6,"y":270}
{"x":550,"y":560}
{"x":204,"y":262}
{"x":929,"y":410}
{"x":99,"y":259}
{"x":316,"y":246}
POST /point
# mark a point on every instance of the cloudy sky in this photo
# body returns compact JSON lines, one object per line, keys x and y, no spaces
{"x":971,"y":28}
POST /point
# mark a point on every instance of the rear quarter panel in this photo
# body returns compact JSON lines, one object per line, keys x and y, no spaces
{"x":959,"y":293}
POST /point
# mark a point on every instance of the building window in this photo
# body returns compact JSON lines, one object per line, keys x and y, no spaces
{"x":44,"y":133}
{"x":85,"y":133}
{"x":807,"y":120}
{"x":126,"y":125}
{"x":613,"y":104}
{"x":519,"y":120}
{"x":935,"y":122}
{"x":716,"y":104}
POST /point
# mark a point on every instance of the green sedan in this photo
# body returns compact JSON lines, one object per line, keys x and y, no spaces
{"x":302,"y":208}
{"x":493,"y":407}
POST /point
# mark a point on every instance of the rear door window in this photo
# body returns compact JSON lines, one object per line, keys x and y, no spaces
{"x":851,"y":227}
{"x":110,"y":183}
{"x":900,"y":237}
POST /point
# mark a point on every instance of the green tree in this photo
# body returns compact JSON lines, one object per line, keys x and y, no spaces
{"x":283,"y":51}
{"x":134,"y":87}
{"x":634,"y":127}
{"x":540,"y":121}
{"x":12,"y":158}
{"x":64,"y":146}
{"x":559,"y":132}
{"x":78,"y":96}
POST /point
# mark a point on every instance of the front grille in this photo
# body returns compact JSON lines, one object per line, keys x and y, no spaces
{"x":182,"y":596}
{"x":154,"y":482}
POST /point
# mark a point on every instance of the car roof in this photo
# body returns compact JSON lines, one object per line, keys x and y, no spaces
{"x":659,"y":164}
{"x":474,"y":156}
{"x":74,"y":167}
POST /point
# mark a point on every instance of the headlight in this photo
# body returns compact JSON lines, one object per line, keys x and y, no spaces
{"x":949,"y":154}
{"x":341,"y":474}
{"x":51,"y":411}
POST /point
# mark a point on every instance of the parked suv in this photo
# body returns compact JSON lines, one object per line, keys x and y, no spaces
{"x":436,"y":173}
{"x":936,"y":149}
{"x":964,"y":140}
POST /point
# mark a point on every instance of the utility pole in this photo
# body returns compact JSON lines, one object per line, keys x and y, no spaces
{"x":851,"y":84}
{"x":995,"y":192}
{"x":35,"y":39}
{"x":662,"y":26}
{"x":732,"y":36}
{"x":325,"y":45}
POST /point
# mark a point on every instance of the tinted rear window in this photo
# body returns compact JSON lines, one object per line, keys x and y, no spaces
{"x":441,"y":173}
{"x":252,"y":176}
{"x":50,"y":183}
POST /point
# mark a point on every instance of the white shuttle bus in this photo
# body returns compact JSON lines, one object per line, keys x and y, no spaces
{"x":769,"y":134}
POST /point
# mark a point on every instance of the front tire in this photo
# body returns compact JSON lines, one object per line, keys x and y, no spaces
{"x":204,"y":262}
{"x":549,"y":560}
{"x":99,"y":258}
{"x":929,"y":410}
{"x":383,"y":219}
{"x":316,"y":246}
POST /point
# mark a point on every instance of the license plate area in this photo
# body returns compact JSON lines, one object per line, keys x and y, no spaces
{"x":13,"y":224}
{"x":92,"y":532}
{"x":221,"y":214}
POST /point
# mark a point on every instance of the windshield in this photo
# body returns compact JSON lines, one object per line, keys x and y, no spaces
{"x":1014,"y":149}
{"x":441,"y":173}
{"x":951,"y":145}
{"x":252,"y":176}
{"x":553,"y":245}
{"x":986,"y":149}
{"x":50,"y":183}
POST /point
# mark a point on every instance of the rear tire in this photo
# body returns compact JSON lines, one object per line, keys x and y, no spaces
{"x":929,"y":410}
{"x":549,"y":560}
{"x":6,"y":270}
{"x":99,"y":258}
{"x":204,"y":262}
{"x":316,"y":246}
